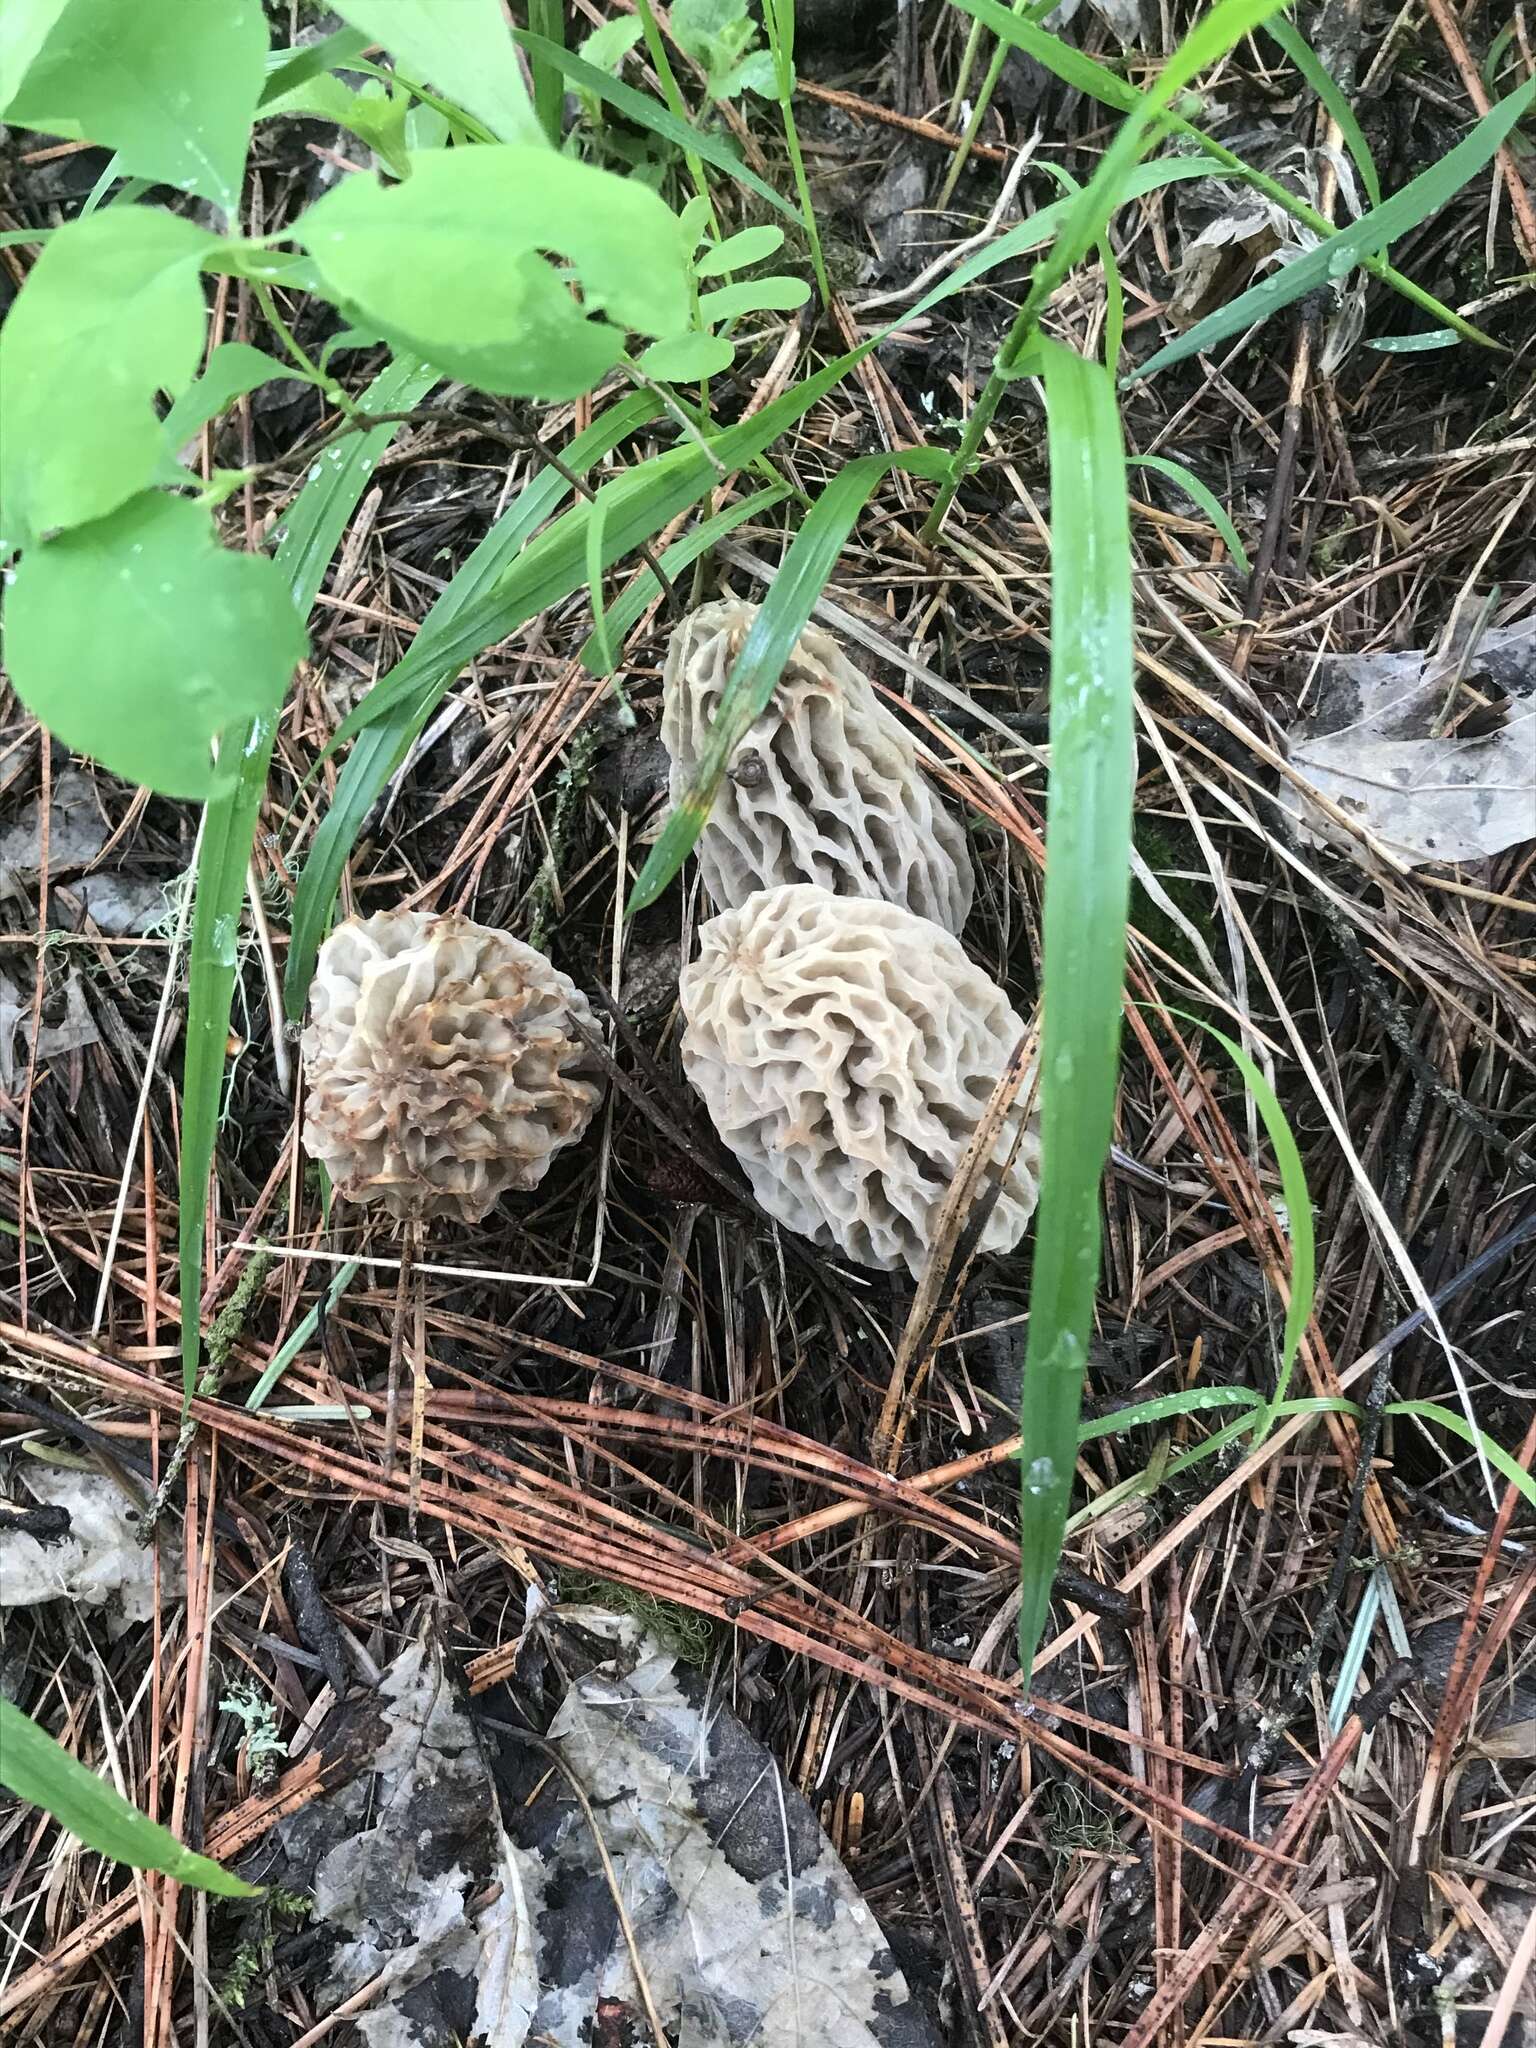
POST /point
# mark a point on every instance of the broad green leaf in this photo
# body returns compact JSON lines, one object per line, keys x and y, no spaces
{"x":234,"y":368}
{"x":42,"y":1771}
{"x":464,"y":49}
{"x":739,"y":252}
{"x":606,"y":46}
{"x":718,"y":35}
{"x":307,"y":540}
{"x":112,"y":313}
{"x":449,"y":265}
{"x":755,"y":73}
{"x":376,"y":117}
{"x":1087,"y":873}
{"x":695,"y":220}
{"x":781,"y":619}
{"x":1203,"y":495}
{"x":25,"y":26}
{"x":753,"y":295}
{"x":171,"y":87}
{"x":686,"y":358}
{"x":646,"y":112}
{"x":137,"y":639}
{"x":1338,"y":256}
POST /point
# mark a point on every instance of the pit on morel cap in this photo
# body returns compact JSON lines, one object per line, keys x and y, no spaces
{"x":824,"y":788}
{"x":442,"y":1064}
{"x":846,"y":1050}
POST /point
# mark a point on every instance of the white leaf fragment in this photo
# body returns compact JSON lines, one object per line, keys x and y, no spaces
{"x":1433,"y":764}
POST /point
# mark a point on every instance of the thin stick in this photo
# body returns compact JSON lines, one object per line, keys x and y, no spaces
{"x":151,"y":1068}
{"x":397,"y":1350}
{"x":418,"y":1367}
{"x":549,"y":1751}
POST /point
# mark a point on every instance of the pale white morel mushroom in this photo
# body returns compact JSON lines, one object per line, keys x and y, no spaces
{"x":825,"y":787}
{"x":846,"y":1050}
{"x":442,"y":1065}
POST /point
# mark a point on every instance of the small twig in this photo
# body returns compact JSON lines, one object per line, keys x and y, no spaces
{"x":1277,"y":516}
{"x":961,"y":250}
{"x":552,"y":1755}
{"x":1522,"y":211}
{"x":397,"y":1351}
{"x":418,"y":1368}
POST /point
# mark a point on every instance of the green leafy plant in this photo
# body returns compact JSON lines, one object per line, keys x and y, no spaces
{"x":703,"y":351}
{"x":721,"y":37}
{"x":603,"y":50}
{"x":482,"y":248}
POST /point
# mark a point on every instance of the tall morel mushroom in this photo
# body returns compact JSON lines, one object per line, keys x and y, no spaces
{"x":846,"y":1050}
{"x":824,"y":788}
{"x":442,"y":1064}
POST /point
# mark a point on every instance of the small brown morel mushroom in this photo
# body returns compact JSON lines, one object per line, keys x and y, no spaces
{"x":847,"y":1050}
{"x":824,"y":788}
{"x":442,"y":1064}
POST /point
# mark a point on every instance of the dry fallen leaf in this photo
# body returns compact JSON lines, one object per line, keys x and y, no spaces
{"x":1434,"y":757}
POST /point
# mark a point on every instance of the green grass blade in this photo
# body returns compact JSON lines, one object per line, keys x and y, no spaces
{"x":1088,"y":76}
{"x":547,"y":19}
{"x":1194,"y":1401}
{"x":1342,"y":252}
{"x":548,"y":571}
{"x":399,"y":705}
{"x":1087,"y":874}
{"x":493,"y":558}
{"x":300,"y":1335}
{"x":315,"y":522}
{"x":1203,"y":496}
{"x":597,"y":527}
{"x":229,"y":826}
{"x":682,"y":554}
{"x":1299,"y":1223}
{"x":1413,"y":344}
{"x":311,"y":531}
{"x":1301,"y":54}
{"x":42,"y":1771}
{"x":288,"y":69}
{"x":1495,"y":1453}
{"x":770,"y":641}
{"x":646,"y":112}
{"x":1213,"y":34}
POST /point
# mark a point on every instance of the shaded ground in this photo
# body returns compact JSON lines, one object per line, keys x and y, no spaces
{"x":634,"y":1383}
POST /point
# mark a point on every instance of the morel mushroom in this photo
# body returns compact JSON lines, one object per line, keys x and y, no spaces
{"x":824,"y":788}
{"x":442,"y":1062}
{"x":846,"y":1050}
